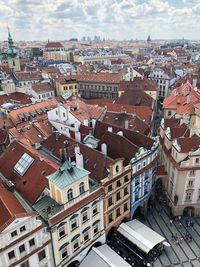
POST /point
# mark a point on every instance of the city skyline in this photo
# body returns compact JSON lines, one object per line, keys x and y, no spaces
{"x":114,"y":19}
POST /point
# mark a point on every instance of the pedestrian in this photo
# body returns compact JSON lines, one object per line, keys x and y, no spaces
{"x":171,"y":222}
{"x":190,"y":238}
{"x":180,"y":225}
{"x":176,"y":236}
{"x":192,"y":225}
{"x":179,"y":217}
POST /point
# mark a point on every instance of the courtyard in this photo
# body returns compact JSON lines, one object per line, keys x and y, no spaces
{"x":183,"y":235}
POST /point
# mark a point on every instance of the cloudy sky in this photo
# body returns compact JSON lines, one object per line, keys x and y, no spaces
{"x":117,"y":19}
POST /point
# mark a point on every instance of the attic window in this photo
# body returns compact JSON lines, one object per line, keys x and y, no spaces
{"x":117,"y":168}
{"x":23,"y":164}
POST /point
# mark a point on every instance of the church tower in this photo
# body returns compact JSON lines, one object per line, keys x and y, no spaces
{"x":13,"y":58}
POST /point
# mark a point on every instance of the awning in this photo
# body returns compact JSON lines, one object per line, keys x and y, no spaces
{"x":103,"y":256}
{"x":140,"y":235}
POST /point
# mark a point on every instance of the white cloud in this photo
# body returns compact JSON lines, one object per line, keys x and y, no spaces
{"x":119,"y":19}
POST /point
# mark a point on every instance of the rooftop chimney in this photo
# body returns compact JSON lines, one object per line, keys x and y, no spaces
{"x":194,"y":83}
{"x":78,"y":136}
{"x":79,"y":157}
{"x":126,"y":124}
{"x":104,"y":149}
{"x":120,"y":133}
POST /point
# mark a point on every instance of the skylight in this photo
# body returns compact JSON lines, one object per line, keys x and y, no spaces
{"x":23,"y":164}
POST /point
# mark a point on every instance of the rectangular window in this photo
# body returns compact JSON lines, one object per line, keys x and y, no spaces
{"x":137,"y":181}
{"x":74,"y":224}
{"x":126,"y":191}
{"x":126,"y":179}
{"x":32,"y":242}
{"x":110,"y":188}
{"x":110,"y":202}
{"x":190,"y":183}
{"x":118,"y":196}
{"x":96,"y":228}
{"x":86,"y":236}
{"x":118,"y":183}
{"x":125,"y":206}
{"x":22,"y":229}
{"x":63,"y":252}
{"x":76,"y":244}
{"x":61,"y":231}
{"x":110,"y":218}
{"x":84,"y":216}
{"x":42,"y":255}
{"x":118,"y":212}
{"x":94,"y":209}
{"x":63,"y":114}
{"x":197,"y":160}
{"x":14,"y":233}
{"x":188,"y":196}
{"x":11,"y":255}
{"x":22,"y":248}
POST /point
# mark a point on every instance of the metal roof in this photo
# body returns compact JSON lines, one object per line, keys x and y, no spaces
{"x":67,"y":174}
{"x":140,"y":235}
{"x":103,"y":256}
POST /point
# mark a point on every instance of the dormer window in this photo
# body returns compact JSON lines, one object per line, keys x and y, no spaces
{"x":70,"y":194}
{"x":81,"y":188}
{"x":117,"y":168}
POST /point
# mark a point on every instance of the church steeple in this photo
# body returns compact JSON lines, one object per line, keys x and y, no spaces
{"x":12,"y":51}
{"x":149,"y":39}
{"x":12,"y":54}
{"x":10,"y":40}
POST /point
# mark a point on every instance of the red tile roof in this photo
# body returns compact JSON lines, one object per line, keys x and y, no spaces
{"x":14,"y":114}
{"x":28,"y":75}
{"x":33,"y":182}
{"x":135,"y":98}
{"x":183,"y":99}
{"x":10,"y":208}
{"x":17,"y":98}
{"x":111,"y":78}
{"x":94,"y":161}
{"x":83,"y":111}
{"x":134,"y":122}
{"x":119,"y":147}
{"x":136,"y":138}
{"x":54,"y":45}
{"x":64,"y":79}
{"x":138,"y":83}
{"x":42,"y":87}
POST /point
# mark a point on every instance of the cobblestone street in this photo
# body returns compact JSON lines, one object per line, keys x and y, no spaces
{"x":182,"y":252}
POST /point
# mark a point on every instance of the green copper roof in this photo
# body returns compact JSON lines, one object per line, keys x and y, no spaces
{"x":12,"y":51}
{"x":67,"y":174}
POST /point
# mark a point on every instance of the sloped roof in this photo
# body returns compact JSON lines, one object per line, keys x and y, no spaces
{"x":134,"y":122}
{"x":112,"y":78}
{"x":10,"y":208}
{"x":33,"y":182}
{"x":136,"y":138}
{"x":135,"y":98}
{"x":119,"y":146}
{"x":183,"y":99}
{"x":28,"y":75}
{"x":54,"y":45}
{"x":42,"y":87}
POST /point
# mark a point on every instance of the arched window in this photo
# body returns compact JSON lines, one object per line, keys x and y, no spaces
{"x":70,"y":194}
{"x":81,"y":188}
